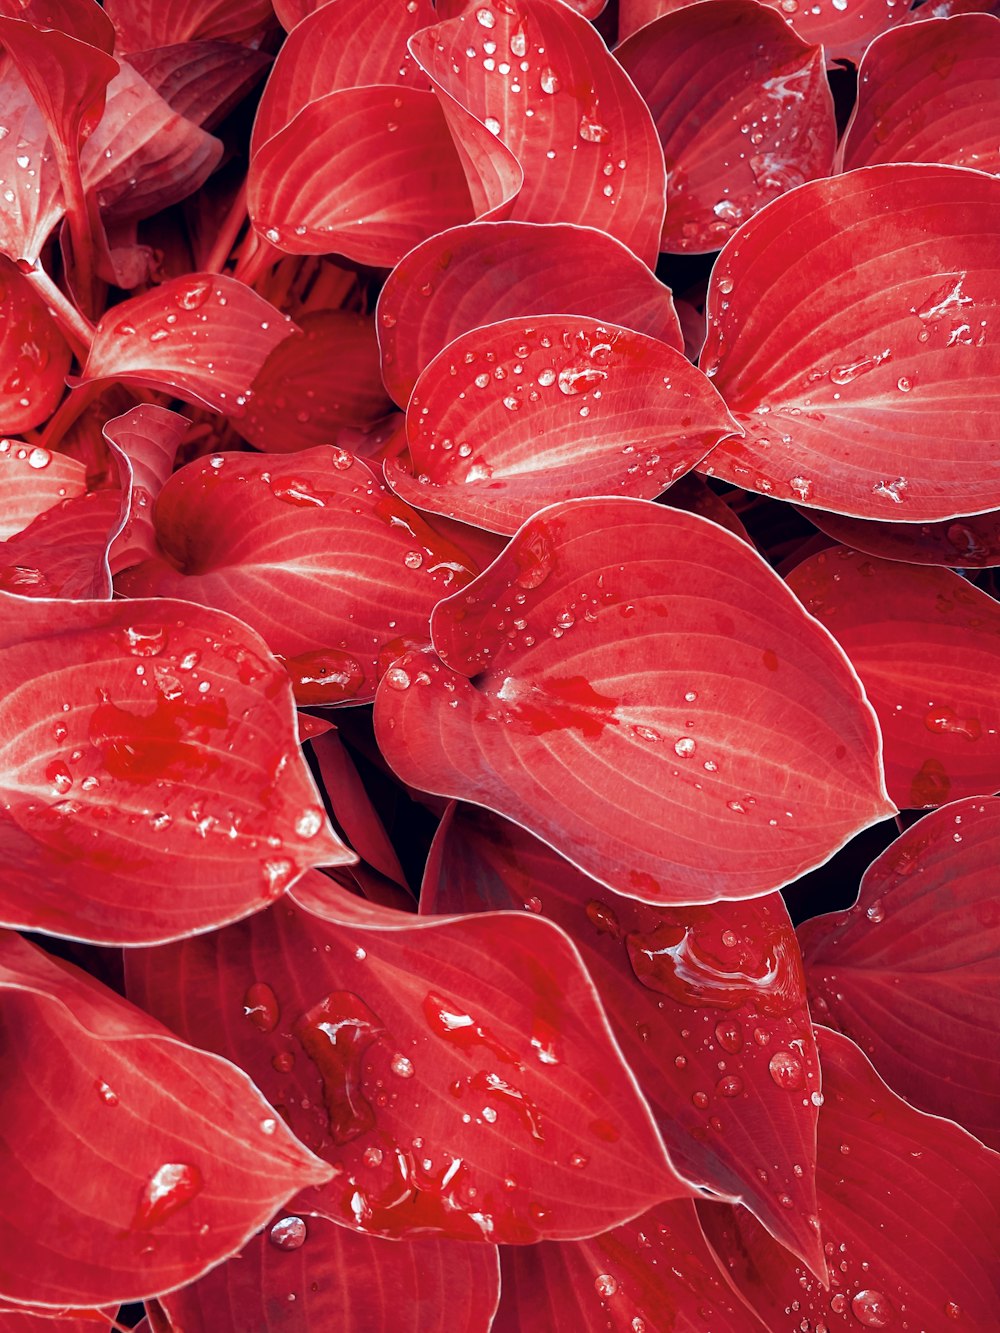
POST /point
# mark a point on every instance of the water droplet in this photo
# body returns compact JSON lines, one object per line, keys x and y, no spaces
{"x":335,"y":1034}
{"x":309,"y":822}
{"x":549,"y":81}
{"x":876,"y":912}
{"x":169,"y":1188}
{"x":685,"y":747}
{"x":39,"y":458}
{"x":493,"y":125}
{"x":729,"y":1035}
{"x":786,"y":1070}
{"x":288,"y":1234}
{"x":397,"y":679}
{"x":591,"y":130}
{"x":729,"y":1086}
{"x":106,"y":1093}
{"x":872,"y":1309}
{"x":260,"y":1005}
{"x":413,"y":559}
{"x":145,"y":640}
{"x":605,"y":1285}
{"x":580,"y":379}
{"x":402,"y":1067}
{"x":486,"y":18}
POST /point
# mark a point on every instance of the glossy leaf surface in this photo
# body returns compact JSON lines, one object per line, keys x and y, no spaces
{"x":64,"y":552}
{"x":561,"y":696}
{"x":969,"y":543}
{"x":851,"y":332}
{"x":910,"y":972}
{"x":142,"y":24}
{"x":33,"y":480}
{"x":521,"y":414}
{"x":34,"y":355}
{"x":201,"y":80}
{"x":149,"y":437}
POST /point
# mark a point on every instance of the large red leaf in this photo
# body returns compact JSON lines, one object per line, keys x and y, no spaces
{"x":201,"y":81}
{"x":475,"y":1092}
{"x":64,"y":552}
{"x":336,"y":573}
{"x":142,"y":24}
{"x":972,"y":543}
{"x":910,"y":1208}
{"x":310,"y":386}
{"x":203,"y":336}
{"x":33,"y":352}
{"x":708,"y":1004}
{"x":32,"y":480}
{"x":307,"y":1274}
{"x":635,"y":686}
{"x":32,"y":191}
{"x":655,"y":1273}
{"x":541,"y":79}
{"x":131,"y":1163}
{"x":517,"y":415}
{"x":853,"y":333}
{"x":925,"y":644}
{"x":487,"y":271}
{"x":928,"y":92}
{"x":149,"y":436}
{"x":83,"y":19}
{"x":743,"y":110}
{"x":911,"y":971}
{"x":152,"y":782}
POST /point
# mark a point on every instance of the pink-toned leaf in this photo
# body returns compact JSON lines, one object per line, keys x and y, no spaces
{"x":143,"y":24}
{"x":339,"y":1279}
{"x":83,"y":19}
{"x":972,"y":543}
{"x":925,"y":644}
{"x":910,"y":1208}
{"x":33,"y":352}
{"x":33,"y":480}
{"x":910,"y":971}
{"x":310,"y":386}
{"x":204,"y":336}
{"x":353,"y":809}
{"x":704,"y":1001}
{"x":202,"y":81}
{"x":694,"y":496}
{"x":64,"y":551}
{"x":517,"y":415}
{"x":152,"y":783}
{"x":927,"y":92}
{"x":365,"y":172}
{"x":139,"y":1161}
{"x":32,"y":204}
{"x":635,"y":686}
{"x":475,"y":1092}
{"x":743,"y":110}
{"x":584,"y":138}
{"x":461,"y":279}
{"x":324,"y":561}
{"x":860,"y":356}
{"x":656,"y":1272}
{"x":149,"y":437}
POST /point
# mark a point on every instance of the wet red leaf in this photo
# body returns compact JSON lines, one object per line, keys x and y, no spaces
{"x":742,"y":108}
{"x":859,"y":357}
{"x":143,"y":24}
{"x":149,"y":437}
{"x":33,"y":480}
{"x":33,"y":352}
{"x":910,"y":972}
{"x":521,"y":414}
{"x":64,"y":551}
{"x":458,"y":1074}
{"x":201,"y":80}
{"x":624,"y":669}
{"x":924,"y":642}
{"x":152,"y":782}
{"x":132,"y":1162}
{"x":896,"y":1188}
{"x":333,"y":570}
{"x":36,"y":205}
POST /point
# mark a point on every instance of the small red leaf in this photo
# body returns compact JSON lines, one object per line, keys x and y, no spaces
{"x":152,"y":782}
{"x":910,"y":972}
{"x":619,"y":413}
{"x":461,"y":279}
{"x":33,"y":480}
{"x":149,"y":437}
{"x":541,"y":79}
{"x":743,"y":110}
{"x":33,"y":353}
{"x":927,"y":92}
{"x":204,"y":336}
{"x":132,"y":1163}
{"x":925,"y":644}
{"x":861,"y":358}
{"x":324,"y":561}
{"x":695,"y":737}
{"x":339,"y":1279}
{"x":201,"y":81}
{"x":458,"y":1074}
{"x":896,"y":1188}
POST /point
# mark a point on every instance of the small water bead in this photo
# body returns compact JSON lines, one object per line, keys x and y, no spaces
{"x":605,"y":1285}
{"x":493,"y":125}
{"x":413,"y":559}
{"x":729,"y":1035}
{"x":401,"y":1066}
{"x":549,"y":81}
{"x":486,"y":18}
{"x":875,"y":912}
{"x":309,"y":822}
{"x":872,"y":1309}
{"x":106,"y":1093}
{"x":786,"y":1070}
{"x":397,"y":679}
{"x":730,"y":1086}
{"x":288,"y":1234}
{"x":684,"y":747}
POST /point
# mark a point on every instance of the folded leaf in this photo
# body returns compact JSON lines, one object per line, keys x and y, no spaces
{"x":911,"y":973}
{"x":33,"y":480}
{"x":859,"y":355}
{"x":972,"y":543}
{"x":32,"y":203}
{"x":140,"y":1161}
{"x":523,"y":413}
{"x":636,"y":687}
{"x":64,"y":552}
{"x":34,"y":354}
{"x":202,"y":81}
{"x":149,"y":437}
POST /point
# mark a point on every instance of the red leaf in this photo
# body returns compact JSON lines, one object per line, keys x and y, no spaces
{"x":896,"y":1189}
{"x":705,"y":1002}
{"x":974,"y":543}
{"x":127,"y":823}
{"x":910,"y":972}
{"x":149,"y":437}
{"x":927,"y":92}
{"x":64,"y":552}
{"x":726,"y":716}
{"x":83,"y":19}
{"x":860,"y":357}
{"x":352,"y":807}
{"x":461,"y":279}
{"x":656,"y":1272}
{"x":924,"y":643}
{"x":33,"y":480}
{"x":566,"y":102}
{"x":32,"y":205}
{"x":204,"y":336}
{"x":694,"y":496}
{"x":33,"y":352}
{"x":330,"y":567}
{"x":619,"y":413}
{"x":309,"y":386}
{"x":142,"y":24}
{"x":743,"y":110}
{"x":139,"y":1161}
{"x":338,"y":1279}
{"x":202,"y":81}
{"x":476,"y":1092}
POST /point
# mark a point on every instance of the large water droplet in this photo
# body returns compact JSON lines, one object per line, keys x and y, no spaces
{"x":335,"y":1035}
{"x":288,"y":1234}
{"x":260,"y":1005}
{"x":786,"y":1070}
{"x":872,"y":1309}
{"x":170,"y":1187}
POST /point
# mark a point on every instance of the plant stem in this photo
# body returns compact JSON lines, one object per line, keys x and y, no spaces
{"x":76,"y":328}
{"x":255,"y":257}
{"x":230,"y":228}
